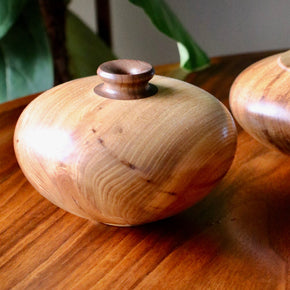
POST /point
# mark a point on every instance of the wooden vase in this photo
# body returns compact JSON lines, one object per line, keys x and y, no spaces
{"x":116,"y":149}
{"x":260,"y":101}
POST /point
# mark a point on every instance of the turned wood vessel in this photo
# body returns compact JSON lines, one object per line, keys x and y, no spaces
{"x":116,"y":149}
{"x":260,"y":101}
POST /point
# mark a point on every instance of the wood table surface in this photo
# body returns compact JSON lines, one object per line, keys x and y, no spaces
{"x":238,"y":237}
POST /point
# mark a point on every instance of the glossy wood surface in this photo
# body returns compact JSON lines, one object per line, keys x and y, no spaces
{"x":238,"y":237}
{"x":125,"y":79}
{"x":125,"y":162}
{"x":260,"y":101}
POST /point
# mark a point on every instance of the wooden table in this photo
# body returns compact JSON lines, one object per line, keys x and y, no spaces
{"x":236,"y":238}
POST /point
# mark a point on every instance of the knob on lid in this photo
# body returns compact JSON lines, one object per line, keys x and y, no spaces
{"x":125,"y":79}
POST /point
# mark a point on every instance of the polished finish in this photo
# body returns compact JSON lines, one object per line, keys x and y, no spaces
{"x":125,"y":79}
{"x":260,"y":101}
{"x":125,"y":162}
{"x":236,"y":238}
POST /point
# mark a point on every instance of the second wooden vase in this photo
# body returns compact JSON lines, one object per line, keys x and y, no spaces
{"x":260,"y":101}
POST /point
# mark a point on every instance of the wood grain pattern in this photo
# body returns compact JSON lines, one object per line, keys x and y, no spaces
{"x":125,"y":162}
{"x":236,"y":238}
{"x":260,"y":101}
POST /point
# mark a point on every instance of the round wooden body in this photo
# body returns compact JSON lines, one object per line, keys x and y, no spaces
{"x":125,"y":162}
{"x":260,"y":101}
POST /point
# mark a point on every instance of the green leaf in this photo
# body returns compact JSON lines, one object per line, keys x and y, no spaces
{"x":9,"y":11}
{"x":26,"y":65}
{"x":191,"y":55}
{"x":86,"y":50}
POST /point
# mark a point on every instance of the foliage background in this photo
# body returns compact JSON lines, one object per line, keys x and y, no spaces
{"x":39,"y":49}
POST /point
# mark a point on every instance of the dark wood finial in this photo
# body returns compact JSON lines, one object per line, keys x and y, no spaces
{"x":125,"y":80}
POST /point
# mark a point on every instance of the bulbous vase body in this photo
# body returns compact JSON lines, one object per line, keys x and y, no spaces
{"x":125,"y":162}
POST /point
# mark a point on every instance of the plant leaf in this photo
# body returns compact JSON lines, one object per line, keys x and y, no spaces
{"x":86,"y":50}
{"x":192,"y":57}
{"x":25,"y":60}
{"x":9,"y":11}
